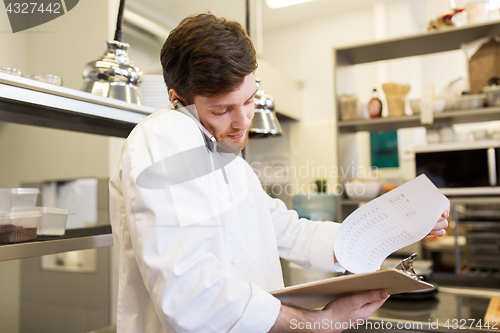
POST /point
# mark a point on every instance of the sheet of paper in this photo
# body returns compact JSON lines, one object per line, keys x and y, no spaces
{"x":388,"y":223}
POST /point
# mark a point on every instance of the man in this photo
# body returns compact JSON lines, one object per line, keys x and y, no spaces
{"x":198,"y":241}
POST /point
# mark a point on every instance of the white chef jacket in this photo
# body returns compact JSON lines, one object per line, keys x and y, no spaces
{"x":202,"y":254}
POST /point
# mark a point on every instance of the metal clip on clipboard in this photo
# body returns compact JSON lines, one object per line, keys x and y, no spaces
{"x":406,"y":266}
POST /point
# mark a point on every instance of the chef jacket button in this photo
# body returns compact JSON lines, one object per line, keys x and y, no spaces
{"x":234,"y":261}
{"x":253,"y":258}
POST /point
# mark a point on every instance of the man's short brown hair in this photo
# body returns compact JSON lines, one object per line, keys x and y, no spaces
{"x":207,"y":56}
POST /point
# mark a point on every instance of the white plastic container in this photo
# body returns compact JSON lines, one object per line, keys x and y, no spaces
{"x":474,"y":101}
{"x":17,"y":197}
{"x":53,"y":221}
{"x":18,"y":226}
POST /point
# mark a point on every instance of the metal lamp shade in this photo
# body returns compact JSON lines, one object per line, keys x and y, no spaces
{"x":114,"y":75}
{"x":265,"y":122}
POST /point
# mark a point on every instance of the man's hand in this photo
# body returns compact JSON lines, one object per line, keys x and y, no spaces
{"x":441,"y":224}
{"x":337,"y":315}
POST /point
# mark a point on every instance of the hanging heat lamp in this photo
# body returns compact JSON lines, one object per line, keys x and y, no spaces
{"x":265,"y":122}
{"x":114,"y":75}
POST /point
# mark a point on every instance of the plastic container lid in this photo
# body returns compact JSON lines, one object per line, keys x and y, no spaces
{"x":19,"y":191}
{"x":43,"y":210}
{"x":53,"y":210}
{"x":19,"y":214}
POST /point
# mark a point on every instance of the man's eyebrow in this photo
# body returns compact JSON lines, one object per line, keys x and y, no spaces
{"x":228,"y":105}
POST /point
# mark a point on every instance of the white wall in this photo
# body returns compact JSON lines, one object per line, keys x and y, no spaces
{"x":144,"y":51}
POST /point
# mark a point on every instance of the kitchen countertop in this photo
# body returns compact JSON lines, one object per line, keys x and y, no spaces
{"x":450,"y":309}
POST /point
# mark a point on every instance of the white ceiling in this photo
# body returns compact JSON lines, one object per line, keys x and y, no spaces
{"x":170,"y":12}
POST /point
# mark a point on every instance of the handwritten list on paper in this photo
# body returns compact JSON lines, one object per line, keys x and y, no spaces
{"x":388,"y":223}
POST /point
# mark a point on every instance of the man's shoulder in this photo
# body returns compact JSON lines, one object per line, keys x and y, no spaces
{"x":164,"y":133}
{"x":162,"y":118}
{"x":167,"y":124}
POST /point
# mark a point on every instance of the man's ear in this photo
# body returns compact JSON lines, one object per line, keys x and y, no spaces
{"x":173,"y":95}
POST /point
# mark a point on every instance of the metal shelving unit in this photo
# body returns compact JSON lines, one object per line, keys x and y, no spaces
{"x":446,"y":117}
{"x":29,"y":102}
{"x":419,"y":44}
{"x":73,"y":240}
{"x":415,"y":45}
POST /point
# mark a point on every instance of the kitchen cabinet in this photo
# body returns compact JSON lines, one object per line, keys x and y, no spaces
{"x":345,"y":58}
{"x":29,"y":102}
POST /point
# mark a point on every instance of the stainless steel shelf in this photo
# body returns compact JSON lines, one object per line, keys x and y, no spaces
{"x":476,"y":200}
{"x":414,"y":45}
{"x":446,"y":117}
{"x":36,"y":103}
{"x":74,"y":239}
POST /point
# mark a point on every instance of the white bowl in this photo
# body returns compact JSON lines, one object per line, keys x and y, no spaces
{"x":363,"y":190}
{"x":438,"y":105}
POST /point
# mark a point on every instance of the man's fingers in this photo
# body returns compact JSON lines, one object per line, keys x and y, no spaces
{"x":446,"y":212}
{"x":369,"y":308}
{"x":360,"y":300}
{"x":440,"y":232}
{"x":441,"y":224}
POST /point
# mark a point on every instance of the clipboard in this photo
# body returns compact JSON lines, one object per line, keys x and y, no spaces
{"x":317,"y":294}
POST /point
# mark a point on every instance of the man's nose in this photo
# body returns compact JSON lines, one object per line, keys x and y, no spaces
{"x":243,"y":116}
